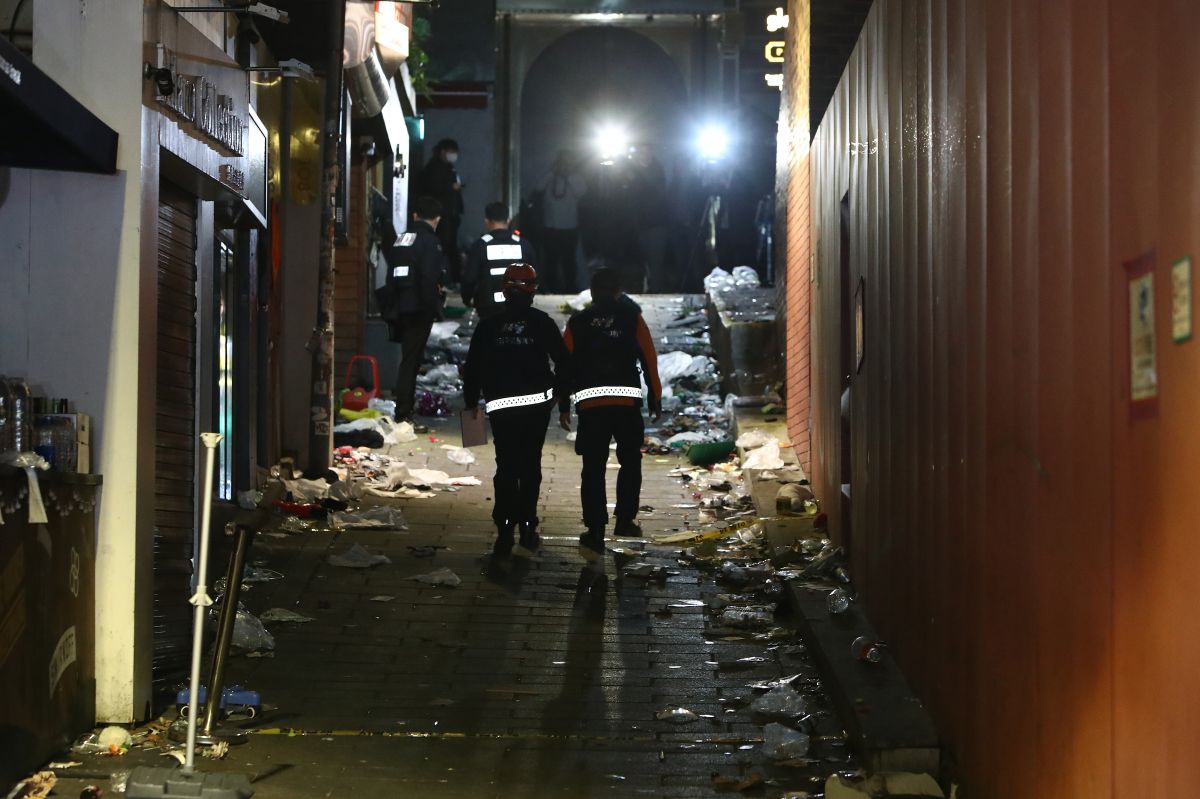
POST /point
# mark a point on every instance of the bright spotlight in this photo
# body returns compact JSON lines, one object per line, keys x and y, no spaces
{"x":611,"y":142}
{"x":713,"y":142}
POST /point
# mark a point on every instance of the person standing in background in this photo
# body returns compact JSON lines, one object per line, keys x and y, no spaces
{"x":652,"y":217}
{"x":561,"y":191}
{"x":439,"y":179}
{"x":488,"y":258}
{"x":412,"y":297}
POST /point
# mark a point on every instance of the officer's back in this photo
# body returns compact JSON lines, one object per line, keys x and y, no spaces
{"x":489,"y":257}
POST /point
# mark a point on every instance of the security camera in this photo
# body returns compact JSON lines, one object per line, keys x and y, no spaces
{"x":164,"y":80}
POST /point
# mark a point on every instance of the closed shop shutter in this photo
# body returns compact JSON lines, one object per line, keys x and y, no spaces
{"x":175,"y":436}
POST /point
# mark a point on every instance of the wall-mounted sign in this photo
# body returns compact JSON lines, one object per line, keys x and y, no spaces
{"x":774,"y":79}
{"x":777,"y":21}
{"x":195,"y":100}
{"x":1143,"y":360}
{"x":1181,"y":300}
{"x":774,"y":51}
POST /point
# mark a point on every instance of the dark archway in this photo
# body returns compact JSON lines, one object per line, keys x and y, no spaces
{"x":588,"y":77}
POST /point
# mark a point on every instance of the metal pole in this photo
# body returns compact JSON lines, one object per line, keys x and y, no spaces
{"x":233,"y":591}
{"x":320,"y":418}
{"x":201,"y":601}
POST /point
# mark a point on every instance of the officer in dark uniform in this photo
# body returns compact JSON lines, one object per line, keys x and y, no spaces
{"x":412,"y":297}
{"x":608,"y":341}
{"x":508,"y":363}
{"x":489,"y":257}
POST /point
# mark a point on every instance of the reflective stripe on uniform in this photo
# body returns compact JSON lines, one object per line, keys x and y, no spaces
{"x":606,"y":391}
{"x":400,"y":271}
{"x":504,"y":252}
{"x":498,"y":296}
{"x":487,"y":237}
{"x":518,"y":402}
{"x":497,"y":271}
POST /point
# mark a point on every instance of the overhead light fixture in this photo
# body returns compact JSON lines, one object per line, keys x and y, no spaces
{"x":291,"y":68}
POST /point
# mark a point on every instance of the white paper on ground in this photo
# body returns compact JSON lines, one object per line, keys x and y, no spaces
{"x":754,"y":438}
{"x":379,"y":516}
{"x":458,"y":455}
{"x":434,"y":477}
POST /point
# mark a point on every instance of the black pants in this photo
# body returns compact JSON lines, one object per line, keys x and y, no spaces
{"x":412,"y":332}
{"x":597,"y":427}
{"x":447,"y":233}
{"x":519,"y":434}
{"x":559,"y":267}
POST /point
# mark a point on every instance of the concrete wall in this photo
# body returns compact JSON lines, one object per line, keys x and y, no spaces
{"x":1022,"y":534}
{"x":71,"y":306}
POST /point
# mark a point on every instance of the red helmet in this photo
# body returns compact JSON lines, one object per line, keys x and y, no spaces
{"x":521,"y":277}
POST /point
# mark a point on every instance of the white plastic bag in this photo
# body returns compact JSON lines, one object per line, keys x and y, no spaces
{"x":782,"y":702}
{"x":765,"y":457}
{"x":249,"y":634}
{"x":784,"y":743}
{"x":380,"y":516}
{"x":717,"y":280}
{"x":441,"y":577}
{"x":358,"y":558}
{"x":458,"y":455}
{"x":744,"y":277}
{"x":386,"y":407}
{"x":440,"y":331}
{"x":580,"y":300}
{"x":755,"y":438}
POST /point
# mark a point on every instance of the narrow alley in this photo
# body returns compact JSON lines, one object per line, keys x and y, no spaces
{"x":538,"y":676}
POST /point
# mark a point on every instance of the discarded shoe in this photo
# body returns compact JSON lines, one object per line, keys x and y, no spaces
{"x":530,"y":540}
{"x":627,"y":528}
{"x":591,"y":545}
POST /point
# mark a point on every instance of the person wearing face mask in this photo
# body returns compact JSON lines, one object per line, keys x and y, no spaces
{"x":488,"y":258}
{"x":508,"y":364}
{"x":439,"y":179}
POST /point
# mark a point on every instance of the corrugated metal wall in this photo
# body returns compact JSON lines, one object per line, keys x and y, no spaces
{"x":1024,"y":544}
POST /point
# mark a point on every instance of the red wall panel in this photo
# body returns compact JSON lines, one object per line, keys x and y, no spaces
{"x":1023,"y":543}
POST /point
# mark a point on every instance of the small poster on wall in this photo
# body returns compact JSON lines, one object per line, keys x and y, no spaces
{"x":1181,"y":300}
{"x":1143,"y":363}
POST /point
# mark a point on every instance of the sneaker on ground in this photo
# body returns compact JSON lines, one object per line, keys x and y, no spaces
{"x":504,"y":543}
{"x":530,"y":540}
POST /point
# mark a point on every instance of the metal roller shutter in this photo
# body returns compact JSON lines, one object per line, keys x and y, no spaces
{"x":175,"y":436}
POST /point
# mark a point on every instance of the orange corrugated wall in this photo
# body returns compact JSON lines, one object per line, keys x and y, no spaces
{"x":1025,"y":545}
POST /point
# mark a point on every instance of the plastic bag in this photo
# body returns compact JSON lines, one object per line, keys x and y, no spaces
{"x":284,"y":615}
{"x":249,"y":634}
{"x":717,"y":280}
{"x":581,"y":300}
{"x":386,"y":407}
{"x":446,"y":373}
{"x":380,"y":516}
{"x":440,"y":331}
{"x":356,"y":557}
{"x":443,"y":577}
{"x":783,"y":702}
{"x":744,"y":277}
{"x":755,"y":438}
{"x":458,"y":455}
{"x":783,"y":743}
{"x":748,"y":616}
{"x":765,"y":457}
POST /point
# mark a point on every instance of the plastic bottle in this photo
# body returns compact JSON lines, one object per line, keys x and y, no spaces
{"x":838,"y":600}
{"x":867,"y":649}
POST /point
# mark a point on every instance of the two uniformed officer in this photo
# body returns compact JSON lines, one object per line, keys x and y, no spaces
{"x":608,"y":341}
{"x":489,"y":257}
{"x":411,"y":299}
{"x":509,"y":364}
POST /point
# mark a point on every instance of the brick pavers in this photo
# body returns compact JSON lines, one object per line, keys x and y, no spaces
{"x":537,"y":678}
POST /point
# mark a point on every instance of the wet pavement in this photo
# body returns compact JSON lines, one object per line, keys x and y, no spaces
{"x":538,"y":677}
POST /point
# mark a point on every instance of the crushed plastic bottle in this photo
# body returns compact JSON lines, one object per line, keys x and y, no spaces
{"x":676,"y":715}
{"x":838,"y":601}
{"x":867,"y":649}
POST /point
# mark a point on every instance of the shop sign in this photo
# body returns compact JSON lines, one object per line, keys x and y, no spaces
{"x":1143,"y":363}
{"x":196,"y":101}
{"x":774,"y":51}
{"x":232,"y":177}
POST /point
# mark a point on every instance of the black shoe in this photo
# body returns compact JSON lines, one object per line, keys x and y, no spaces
{"x":504,"y":541}
{"x":627,"y":529}
{"x":591,"y":545}
{"x":530,"y":540}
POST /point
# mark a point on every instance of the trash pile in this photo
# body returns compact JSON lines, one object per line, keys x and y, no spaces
{"x":739,"y":296}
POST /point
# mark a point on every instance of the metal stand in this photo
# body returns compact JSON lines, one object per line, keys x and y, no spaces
{"x":145,"y":782}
